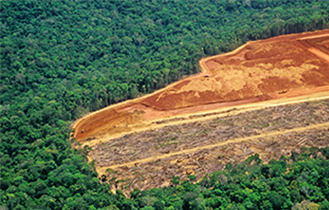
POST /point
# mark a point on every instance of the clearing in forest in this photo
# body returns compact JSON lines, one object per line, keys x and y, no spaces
{"x":279,"y":67}
{"x":258,"y":76}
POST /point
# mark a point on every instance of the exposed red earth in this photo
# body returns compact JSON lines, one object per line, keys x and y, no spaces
{"x":267,"y":70}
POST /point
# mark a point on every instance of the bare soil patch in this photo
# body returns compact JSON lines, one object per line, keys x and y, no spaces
{"x":268,"y":66}
{"x":257,"y":71}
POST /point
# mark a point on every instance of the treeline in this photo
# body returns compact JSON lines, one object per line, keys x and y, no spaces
{"x":61,"y":59}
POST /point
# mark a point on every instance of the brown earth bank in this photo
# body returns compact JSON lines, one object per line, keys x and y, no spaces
{"x":149,"y":159}
{"x":278,"y":67}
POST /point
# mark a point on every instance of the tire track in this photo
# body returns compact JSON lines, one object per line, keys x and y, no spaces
{"x":312,"y":48}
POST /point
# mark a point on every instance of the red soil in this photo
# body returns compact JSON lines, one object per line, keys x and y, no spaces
{"x":283,"y":66}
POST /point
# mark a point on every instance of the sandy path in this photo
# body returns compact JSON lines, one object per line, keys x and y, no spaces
{"x":315,"y":36}
{"x":236,"y":140}
{"x":202,"y":62}
{"x":314,"y":50}
{"x":319,"y":53}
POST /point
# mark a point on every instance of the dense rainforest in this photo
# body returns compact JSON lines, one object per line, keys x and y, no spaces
{"x":61,"y":59}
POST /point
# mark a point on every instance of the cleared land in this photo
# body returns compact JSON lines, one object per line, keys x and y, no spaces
{"x":275,"y":68}
{"x":150,"y":159}
{"x":267,"y":97}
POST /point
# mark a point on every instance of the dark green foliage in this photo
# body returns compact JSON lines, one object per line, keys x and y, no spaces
{"x":175,"y":180}
{"x":62,"y":59}
{"x":192,"y":177}
{"x":236,"y":189}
